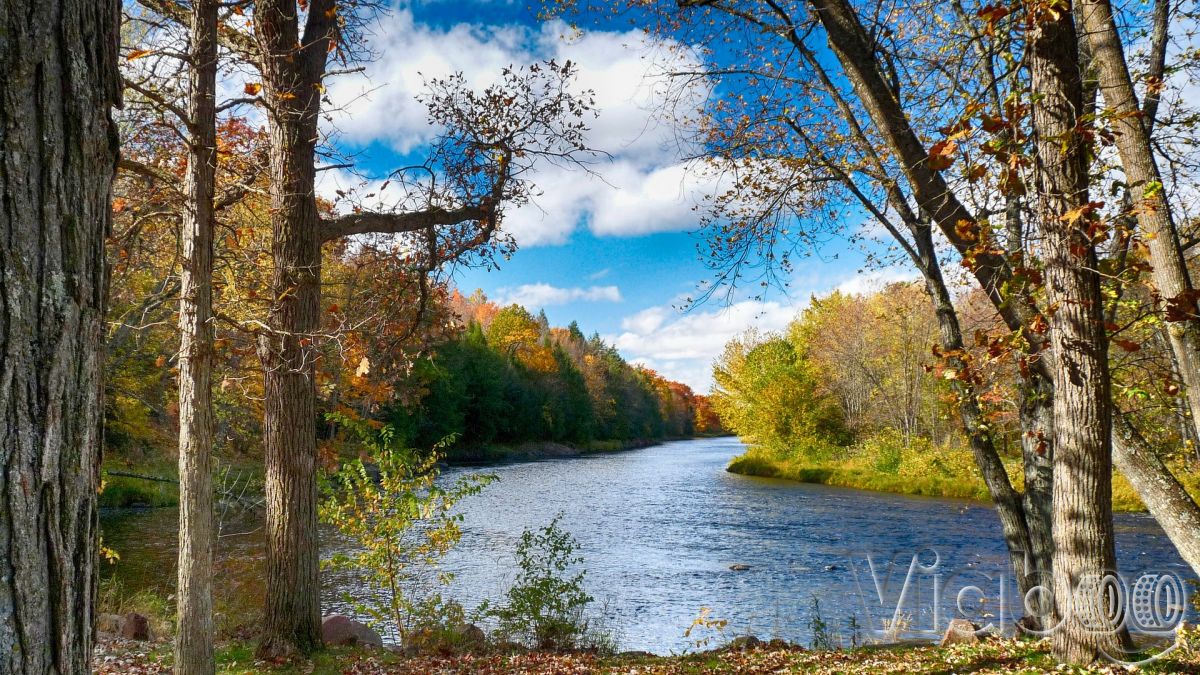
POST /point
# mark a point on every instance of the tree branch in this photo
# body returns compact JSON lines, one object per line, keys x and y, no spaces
{"x":394,"y":223}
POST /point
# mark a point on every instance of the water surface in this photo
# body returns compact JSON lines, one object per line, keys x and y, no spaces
{"x":660,"y":527}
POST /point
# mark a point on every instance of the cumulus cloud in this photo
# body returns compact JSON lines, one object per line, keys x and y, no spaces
{"x":640,"y":188}
{"x":682,"y":346}
{"x":874,"y":280}
{"x":535,"y":296}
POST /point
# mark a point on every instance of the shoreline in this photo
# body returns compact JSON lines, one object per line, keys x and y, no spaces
{"x":758,"y":464}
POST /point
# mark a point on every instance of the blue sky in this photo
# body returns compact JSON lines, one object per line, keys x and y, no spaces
{"x":615,"y":252}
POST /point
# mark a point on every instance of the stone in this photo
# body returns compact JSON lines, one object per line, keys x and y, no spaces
{"x":739,"y":567}
{"x":745,"y":642}
{"x":342,"y":631}
{"x":109,"y":623}
{"x":473,"y":636}
{"x":134,"y":626}
{"x":960,"y":632}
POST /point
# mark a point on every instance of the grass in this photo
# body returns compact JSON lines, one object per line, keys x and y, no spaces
{"x":989,"y":656}
{"x":126,"y":491}
{"x":884,"y":464}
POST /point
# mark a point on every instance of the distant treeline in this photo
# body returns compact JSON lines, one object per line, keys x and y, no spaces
{"x":511,"y":378}
{"x":468,"y":368}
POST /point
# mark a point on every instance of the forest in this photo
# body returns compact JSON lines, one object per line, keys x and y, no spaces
{"x":207,"y":283}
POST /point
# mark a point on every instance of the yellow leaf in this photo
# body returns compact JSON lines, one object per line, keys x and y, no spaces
{"x":364,"y":367}
{"x":252,"y":88}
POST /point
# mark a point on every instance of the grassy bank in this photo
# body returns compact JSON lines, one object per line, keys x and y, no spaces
{"x":990,"y":656}
{"x":538,"y":450}
{"x":886,"y":464}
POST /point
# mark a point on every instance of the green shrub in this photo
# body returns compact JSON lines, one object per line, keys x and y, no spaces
{"x":399,"y":518}
{"x":545,"y":607}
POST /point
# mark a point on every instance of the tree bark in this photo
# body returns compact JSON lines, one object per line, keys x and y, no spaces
{"x":292,"y":69}
{"x":193,"y":595}
{"x":58,"y":153}
{"x":1169,"y":272}
{"x":1167,"y":499}
{"x":1084,"y":548}
{"x":1029,"y":559}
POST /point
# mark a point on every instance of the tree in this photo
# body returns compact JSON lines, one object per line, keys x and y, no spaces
{"x":1170,"y":503}
{"x":1084,"y":541}
{"x":59,"y":65}
{"x":492,"y":139}
{"x":193,"y":593}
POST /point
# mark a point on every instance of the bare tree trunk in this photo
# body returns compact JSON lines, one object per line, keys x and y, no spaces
{"x":193,"y":596}
{"x":1167,"y":499}
{"x":1084,"y":548}
{"x":1037,"y":456}
{"x":58,"y":152}
{"x":1156,"y":484}
{"x":292,"y":68}
{"x":1013,"y":521}
{"x":1170,"y":273}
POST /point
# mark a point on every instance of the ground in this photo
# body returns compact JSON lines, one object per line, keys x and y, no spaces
{"x":990,"y":656}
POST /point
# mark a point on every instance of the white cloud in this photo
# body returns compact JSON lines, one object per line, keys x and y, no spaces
{"x":866,"y":283}
{"x":641,"y":188}
{"x":682,"y":346}
{"x":535,"y":296}
{"x":599,"y":274}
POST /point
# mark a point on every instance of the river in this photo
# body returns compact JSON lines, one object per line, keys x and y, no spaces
{"x":660,"y":527}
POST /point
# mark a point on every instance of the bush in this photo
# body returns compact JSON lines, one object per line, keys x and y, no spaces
{"x":399,"y":518}
{"x":545,"y":607}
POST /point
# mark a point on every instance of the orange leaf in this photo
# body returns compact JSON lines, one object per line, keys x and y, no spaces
{"x":137,"y":54}
{"x":941,"y":155}
{"x":252,"y":88}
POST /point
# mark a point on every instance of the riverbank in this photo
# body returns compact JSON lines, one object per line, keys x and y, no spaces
{"x":920,"y":470}
{"x":156,"y":485}
{"x":989,"y":656}
{"x":535,"y":450}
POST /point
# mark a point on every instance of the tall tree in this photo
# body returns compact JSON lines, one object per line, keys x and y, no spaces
{"x":1172,"y":506}
{"x":58,"y":152}
{"x":492,"y":138}
{"x":1084,"y":542}
{"x":193,"y":594}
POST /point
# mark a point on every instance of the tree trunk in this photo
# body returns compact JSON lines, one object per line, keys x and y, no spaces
{"x":1084,"y":549}
{"x":1167,"y":499}
{"x":1170,"y":273}
{"x":193,"y":596}
{"x":1037,"y":455}
{"x":292,"y":68}
{"x":1022,"y":550}
{"x":58,"y":152}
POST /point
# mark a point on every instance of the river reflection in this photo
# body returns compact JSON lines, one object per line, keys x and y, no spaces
{"x":659,"y":529}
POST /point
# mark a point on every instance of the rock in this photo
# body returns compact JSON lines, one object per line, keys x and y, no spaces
{"x":960,"y":632}
{"x":739,"y":567}
{"x":109,"y":623}
{"x":743,"y":642}
{"x":1028,"y":624}
{"x":346,"y":632}
{"x":832,"y":568}
{"x":473,"y":636}
{"x":134,"y":626}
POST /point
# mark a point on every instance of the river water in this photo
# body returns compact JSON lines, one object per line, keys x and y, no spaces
{"x":660,"y":527}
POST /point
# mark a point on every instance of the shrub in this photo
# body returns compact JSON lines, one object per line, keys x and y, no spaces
{"x":545,"y":607}
{"x":398,"y":515}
